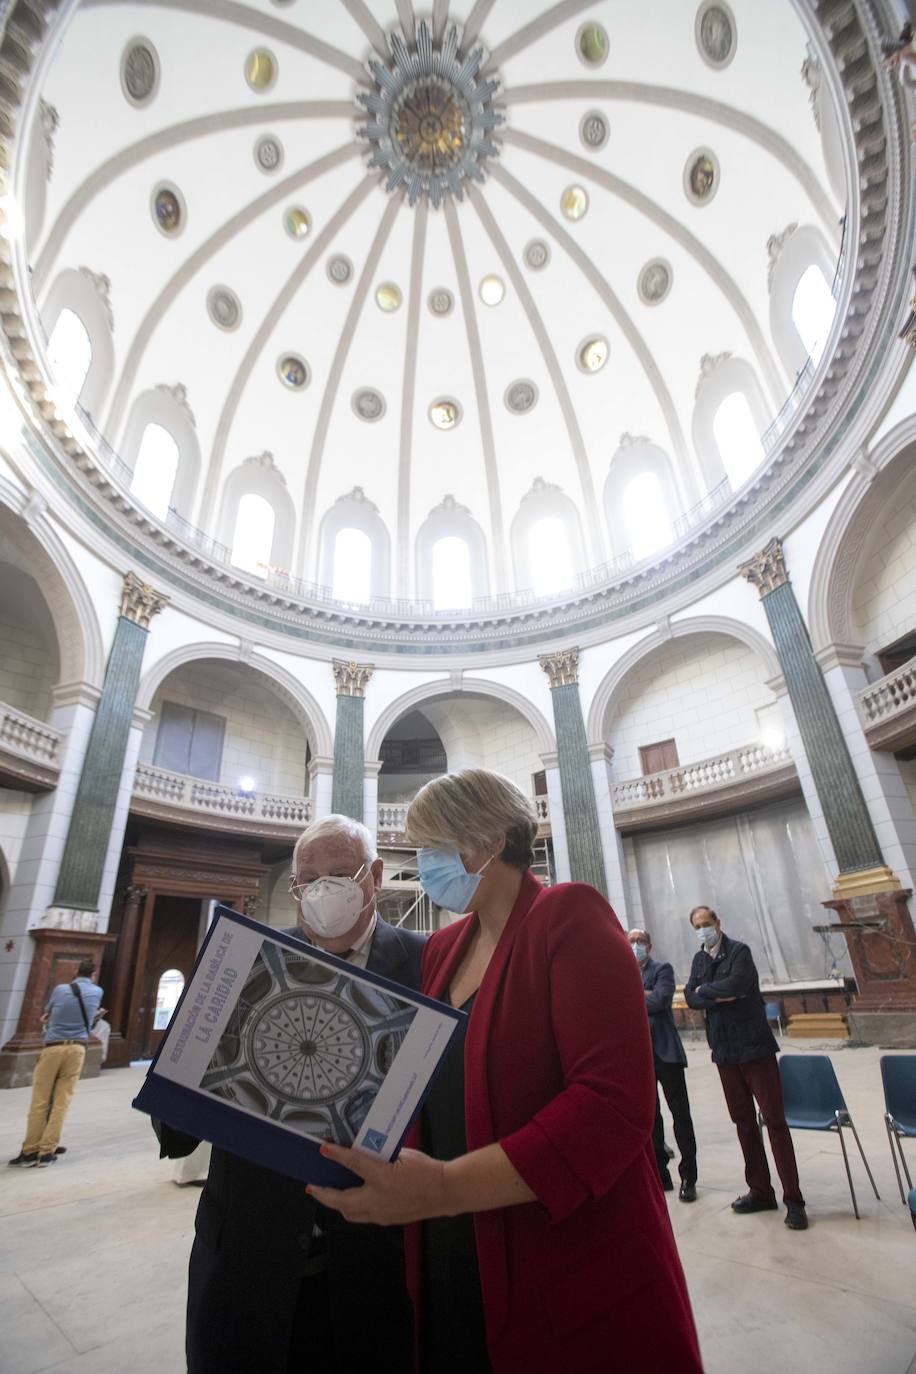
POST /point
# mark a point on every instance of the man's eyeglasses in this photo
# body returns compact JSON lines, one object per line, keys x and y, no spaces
{"x":296,"y":889}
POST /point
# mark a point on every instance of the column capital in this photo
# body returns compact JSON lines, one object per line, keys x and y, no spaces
{"x":350,"y":677}
{"x":562,"y":668}
{"x":767,"y":569}
{"x":139,"y":602}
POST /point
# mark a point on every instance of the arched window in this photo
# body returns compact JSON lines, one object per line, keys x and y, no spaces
{"x":549,"y":554}
{"x":813,"y":309}
{"x":170,"y":988}
{"x":253,"y":537}
{"x":737,"y":438}
{"x":451,"y":573}
{"x":155,"y":469}
{"x":645,"y":515}
{"x":70,"y":353}
{"x":351,"y":579}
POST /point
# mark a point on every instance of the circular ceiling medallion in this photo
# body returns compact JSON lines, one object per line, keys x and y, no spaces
{"x":701,"y":176}
{"x":654,"y":281}
{"x":167,"y":209}
{"x":440,"y":301}
{"x":368,"y":404}
{"x":260,"y":70}
{"x":574,"y":202}
{"x":594,"y":130}
{"x":445,"y":412}
{"x":224,"y":307}
{"x":340,"y":269}
{"x":293,"y":371}
{"x":592,"y":44}
{"x":268,"y":153}
{"x":297,"y":222}
{"x":716,"y":34}
{"x":592,"y":353}
{"x":388,"y":297}
{"x":521,"y":396}
{"x":537,"y":254}
{"x":492,"y":290}
{"x":139,"y":71}
{"x":430,"y":120}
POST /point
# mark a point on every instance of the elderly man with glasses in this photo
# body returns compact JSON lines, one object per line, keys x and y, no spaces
{"x":277,"y":1282}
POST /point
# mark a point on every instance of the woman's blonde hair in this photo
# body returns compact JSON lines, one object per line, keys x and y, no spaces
{"x":474,"y":809}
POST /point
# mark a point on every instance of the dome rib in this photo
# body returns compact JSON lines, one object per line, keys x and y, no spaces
{"x":408,"y":395}
{"x":363,"y":16}
{"x":536,"y":28}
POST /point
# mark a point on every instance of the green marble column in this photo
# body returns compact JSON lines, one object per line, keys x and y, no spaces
{"x":845,"y":811}
{"x":580,"y":810}
{"x":80,"y":877}
{"x":347,"y":787}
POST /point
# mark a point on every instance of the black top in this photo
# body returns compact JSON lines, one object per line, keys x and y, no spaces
{"x":737,"y":1030}
{"x":453,"y":1334}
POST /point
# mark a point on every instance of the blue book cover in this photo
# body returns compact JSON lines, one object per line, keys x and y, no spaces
{"x":276,"y":1046}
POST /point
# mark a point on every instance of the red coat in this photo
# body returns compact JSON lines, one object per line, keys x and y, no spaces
{"x":558,"y":1069}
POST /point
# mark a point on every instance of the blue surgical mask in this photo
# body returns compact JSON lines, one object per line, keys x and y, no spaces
{"x":446,"y":881}
{"x":640,"y":950}
{"x":707,"y":936}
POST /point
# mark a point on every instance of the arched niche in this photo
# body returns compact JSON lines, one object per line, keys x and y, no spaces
{"x":167,"y":407}
{"x":631,"y":460}
{"x":544,"y":501}
{"x":356,"y":511}
{"x":721,"y":377}
{"x":259,"y":476}
{"x":801,"y":247}
{"x":417,"y":697}
{"x":85,"y":293}
{"x":449,"y":520}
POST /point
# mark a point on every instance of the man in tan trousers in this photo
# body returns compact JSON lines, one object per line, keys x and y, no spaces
{"x":68,"y":1018}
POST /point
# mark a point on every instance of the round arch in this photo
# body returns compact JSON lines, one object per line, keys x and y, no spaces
{"x":470,"y":686}
{"x":297,"y":696}
{"x":843,"y":541}
{"x":705,"y":624}
{"x":79,"y":636}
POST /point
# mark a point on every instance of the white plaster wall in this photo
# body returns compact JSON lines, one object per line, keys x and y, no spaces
{"x":171,"y":629}
{"x":595,"y":663}
{"x":28,"y":666}
{"x":884,"y":593}
{"x":385,"y":687}
{"x":908,"y":773}
{"x":703,"y":690}
{"x":262,"y":737}
{"x":317,"y":676}
{"x":736,"y":600}
{"x":800,"y":547}
{"x":15,"y":809}
{"x":485,"y":733}
{"x":103,"y":583}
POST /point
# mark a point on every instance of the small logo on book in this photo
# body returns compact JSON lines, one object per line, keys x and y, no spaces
{"x":374,"y":1140}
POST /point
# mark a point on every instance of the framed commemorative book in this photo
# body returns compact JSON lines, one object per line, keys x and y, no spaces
{"x":276,"y":1046}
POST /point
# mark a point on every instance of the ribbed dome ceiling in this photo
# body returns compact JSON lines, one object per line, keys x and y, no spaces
{"x":462,"y":350}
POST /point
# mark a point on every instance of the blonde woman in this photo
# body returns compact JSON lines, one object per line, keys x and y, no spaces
{"x":543,"y":1240}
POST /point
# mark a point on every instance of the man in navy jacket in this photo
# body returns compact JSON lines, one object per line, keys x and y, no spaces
{"x":670,"y":1063}
{"x":724,"y":984}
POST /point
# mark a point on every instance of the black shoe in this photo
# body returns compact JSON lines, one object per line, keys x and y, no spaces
{"x":796,"y":1216}
{"x":687,"y":1192}
{"x":23,"y":1161}
{"x":751,"y":1203}
{"x":667,"y":1182}
{"x":46,"y":1159}
{"x":61,"y":1150}
{"x":669,"y":1153}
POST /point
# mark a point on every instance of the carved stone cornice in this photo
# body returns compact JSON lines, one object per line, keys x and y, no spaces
{"x":351,"y":678}
{"x":139,"y":602}
{"x":767,"y":569}
{"x":775,"y":244}
{"x":562,"y":668}
{"x":101,"y":285}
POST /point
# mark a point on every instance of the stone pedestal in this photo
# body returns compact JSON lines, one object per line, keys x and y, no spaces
{"x":57,"y":956}
{"x":882,"y":948}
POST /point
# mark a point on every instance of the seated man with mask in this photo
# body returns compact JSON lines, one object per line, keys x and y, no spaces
{"x":277,"y":1282}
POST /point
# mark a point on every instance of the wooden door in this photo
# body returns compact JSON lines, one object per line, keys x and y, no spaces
{"x":655,"y":758}
{"x":172,"y":949}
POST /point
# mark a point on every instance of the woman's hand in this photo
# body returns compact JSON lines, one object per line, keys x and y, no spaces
{"x":411,"y":1189}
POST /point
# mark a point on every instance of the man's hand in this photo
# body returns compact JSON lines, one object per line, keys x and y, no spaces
{"x":411,"y":1189}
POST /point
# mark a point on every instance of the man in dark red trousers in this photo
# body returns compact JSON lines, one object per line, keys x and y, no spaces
{"x":724,"y":985}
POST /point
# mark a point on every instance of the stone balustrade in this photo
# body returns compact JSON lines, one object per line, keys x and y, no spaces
{"x":890,"y":695}
{"x":722,"y":770}
{"x":27,"y":737}
{"x":392,"y":817}
{"x":202,"y":798}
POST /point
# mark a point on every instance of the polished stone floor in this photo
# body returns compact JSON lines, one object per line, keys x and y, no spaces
{"x":93,"y":1249}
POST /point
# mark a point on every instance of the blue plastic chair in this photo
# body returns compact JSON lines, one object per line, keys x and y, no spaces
{"x":814,"y":1102}
{"x":898,"y":1074}
{"x":774,"y":1014}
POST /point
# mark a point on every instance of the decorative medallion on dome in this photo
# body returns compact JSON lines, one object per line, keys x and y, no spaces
{"x":167,"y":208}
{"x":268,"y":153}
{"x":715,"y":32}
{"x":654,"y":281}
{"x":521,"y":397}
{"x":594,"y":130}
{"x":293,"y":371}
{"x":431,"y":119}
{"x":537,"y":254}
{"x":441,"y":301}
{"x":445,"y":413}
{"x":224,"y":307}
{"x":701,"y":176}
{"x":388,"y":297}
{"x":592,"y":353}
{"x":139,"y":71}
{"x":339,"y":269}
{"x":296,"y":222}
{"x":368,"y":404}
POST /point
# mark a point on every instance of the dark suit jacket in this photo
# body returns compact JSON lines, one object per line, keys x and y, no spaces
{"x":658,"y":982}
{"x":251,"y":1250}
{"x":737,"y":1031}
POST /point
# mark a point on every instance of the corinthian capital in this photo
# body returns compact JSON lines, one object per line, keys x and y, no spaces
{"x":351,"y":678}
{"x":139,"y":602}
{"x":562,"y":669}
{"x":767,"y":569}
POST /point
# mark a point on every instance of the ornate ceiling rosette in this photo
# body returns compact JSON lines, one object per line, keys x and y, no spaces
{"x":432,"y":118}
